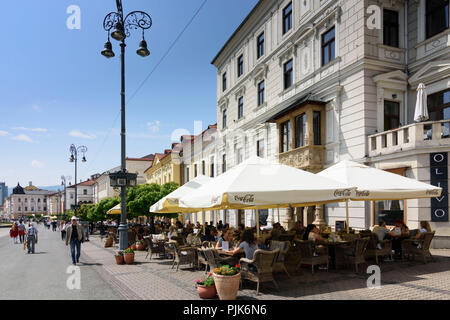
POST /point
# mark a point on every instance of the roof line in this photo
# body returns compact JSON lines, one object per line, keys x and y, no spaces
{"x":236,"y":31}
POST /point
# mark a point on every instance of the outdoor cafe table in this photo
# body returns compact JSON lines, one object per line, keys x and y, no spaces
{"x":232,"y":258}
{"x":336,"y":252}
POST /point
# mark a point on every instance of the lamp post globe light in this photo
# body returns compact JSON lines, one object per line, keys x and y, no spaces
{"x":74,"y":153}
{"x":119,"y":28}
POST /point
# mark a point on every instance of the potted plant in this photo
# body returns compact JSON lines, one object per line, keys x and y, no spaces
{"x":128,"y":255}
{"x":227,"y":280}
{"x":119,"y":257}
{"x":140,"y":245}
{"x":109,"y":242}
{"x":206,"y":288}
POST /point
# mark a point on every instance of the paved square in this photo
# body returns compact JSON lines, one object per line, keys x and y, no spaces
{"x":156,"y":280}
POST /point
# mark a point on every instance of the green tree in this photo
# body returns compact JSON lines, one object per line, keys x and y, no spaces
{"x":83,"y":212}
{"x":98,"y":212}
{"x":141,"y":198}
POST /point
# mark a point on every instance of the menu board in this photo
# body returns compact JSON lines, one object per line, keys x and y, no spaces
{"x":340,"y":225}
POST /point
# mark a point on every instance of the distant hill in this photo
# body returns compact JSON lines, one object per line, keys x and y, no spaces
{"x":49,"y":188}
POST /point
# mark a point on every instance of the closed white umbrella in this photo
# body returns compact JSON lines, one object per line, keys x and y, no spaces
{"x":261,"y":184}
{"x":169,"y":204}
{"x":421,"y":112}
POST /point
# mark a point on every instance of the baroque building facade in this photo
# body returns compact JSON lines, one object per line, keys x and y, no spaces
{"x":314,"y":82}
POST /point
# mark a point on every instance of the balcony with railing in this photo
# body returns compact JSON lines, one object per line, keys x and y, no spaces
{"x":429,"y":134}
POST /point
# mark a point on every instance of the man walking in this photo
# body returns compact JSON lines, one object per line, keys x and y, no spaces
{"x":21,"y":231}
{"x":31,"y":237}
{"x":75,"y":236}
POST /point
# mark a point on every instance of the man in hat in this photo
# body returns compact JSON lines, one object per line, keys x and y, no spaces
{"x":74,"y":236}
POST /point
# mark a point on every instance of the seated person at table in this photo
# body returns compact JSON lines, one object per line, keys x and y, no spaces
{"x":298,"y":228}
{"x":209,"y":235}
{"x":381,"y":231}
{"x":275,"y":233}
{"x":424,"y":228}
{"x":225,"y":237}
{"x":247,"y":245}
{"x":173,"y":232}
{"x":198,"y":225}
{"x":312,"y":233}
{"x":400,"y":232}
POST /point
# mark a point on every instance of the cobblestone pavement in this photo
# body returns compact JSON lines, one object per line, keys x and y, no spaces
{"x":155,"y":280}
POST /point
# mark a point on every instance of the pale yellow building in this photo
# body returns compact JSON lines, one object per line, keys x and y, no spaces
{"x":166,"y":167}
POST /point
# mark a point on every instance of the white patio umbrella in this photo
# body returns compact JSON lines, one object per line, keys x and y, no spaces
{"x":421,"y":112}
{"x":169,"y":204}
{"x":377,"y":185}
{"x":261,"y":184}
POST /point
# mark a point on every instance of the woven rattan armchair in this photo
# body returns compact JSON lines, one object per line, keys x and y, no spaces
{"x":201,"y":256}
{"x":183,"y":255}
{"x":306,"y":249}
{"x":355,"y":254}
{"x":213,"y":259}
{"x":262,"y":270}
{"x":421,"y":247}
{"x":284,"y":247}
{"x":180,"y":240}
{"x":373,"y":248}
{"x":154,"y":247}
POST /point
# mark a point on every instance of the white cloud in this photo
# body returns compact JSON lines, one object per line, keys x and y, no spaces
{"x":22,"y":137}
{"x":154,"y":126}
{"x":37,"y":164}
{"x":3,"y":133}
{"x":36,"y":108}
{"x":79,"y":134}
{"x":31,"y":129}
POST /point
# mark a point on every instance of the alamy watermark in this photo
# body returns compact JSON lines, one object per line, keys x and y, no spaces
{"x":374,"y":280}
{"x":73,"y":22}
{"x":374,"y":20}
{"x":74,"y":280}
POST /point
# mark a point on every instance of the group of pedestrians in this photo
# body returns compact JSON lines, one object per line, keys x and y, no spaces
{"x":26,"y":234}
{"x":72,"y":233}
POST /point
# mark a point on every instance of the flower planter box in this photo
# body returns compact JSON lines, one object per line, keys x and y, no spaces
{"x":119,"y":259}
{"x":129,"y":258}
{"x":109,"y":243}
{"x":140,"y":247}
{"x":206,"y":292}
{"x":227,"y":286}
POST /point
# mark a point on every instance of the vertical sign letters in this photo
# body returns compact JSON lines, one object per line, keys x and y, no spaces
{"x":439,"y":178}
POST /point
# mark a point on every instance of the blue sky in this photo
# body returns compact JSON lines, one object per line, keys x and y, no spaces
{"x":56,"y":89}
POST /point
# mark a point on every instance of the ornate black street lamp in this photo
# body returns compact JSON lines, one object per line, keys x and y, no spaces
{"x":121,"y":27}
{"x":74,"y":158}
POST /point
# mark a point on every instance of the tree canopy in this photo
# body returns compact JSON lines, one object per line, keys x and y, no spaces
{"x":139,"y":200}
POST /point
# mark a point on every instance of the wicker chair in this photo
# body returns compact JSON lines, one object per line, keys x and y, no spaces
{"x":284,"y":247}
{"x":355,"y":254}
{"x":306,"y":249}
{"x":154,"y":247}
{"x":213,"y":259}
{"x":183,"y":255}
{"x":201,"y":257}
{"x":423,"y":248}
{"x":373,"y":250}
{"x":263,"y":261}
{"x":179,"y":240}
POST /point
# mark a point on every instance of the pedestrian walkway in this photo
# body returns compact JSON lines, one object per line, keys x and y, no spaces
{"x":155,"y":280}
{"x":43,"y":275}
